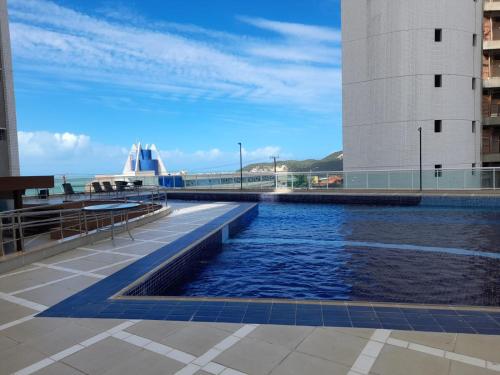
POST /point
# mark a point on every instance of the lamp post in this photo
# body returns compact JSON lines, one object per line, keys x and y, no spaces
{"x":241,"y":169}
{"x":420,"y":154}
{"x":274,"y":158}
{"x":275,"y":175}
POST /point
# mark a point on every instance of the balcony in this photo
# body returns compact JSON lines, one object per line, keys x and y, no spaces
{"x":491,"y":158}
{"x":492,"y":6}
{"x":491,"y":121}
{"x":491,"y":83}
{"x":491,"y":45}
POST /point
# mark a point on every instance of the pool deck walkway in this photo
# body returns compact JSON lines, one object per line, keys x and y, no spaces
{"x":35,"y":345}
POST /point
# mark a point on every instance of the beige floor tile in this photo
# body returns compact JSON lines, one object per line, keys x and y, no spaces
{"x":66,"y":256}
{"x":398,"y":361}
{"x":98,"y":325}
{"x":101,"y":357}
{"x":141,"y":248}
{"x":252,"y":356}
{"x":155,"y":330}
{"x":195,"y":339}
{"x":80,"y":282}
{"x":481,"y":346}
{"x":112,"y":270}
{"x":201,"y":372}
{"x":109,"y":245}
{"x":365,"y":333}
{"x":287,"y":336}
{"x":6,"y":342}
{"x":332,"y":345}
{"x":150,"y":234}
{"x":35,"y":328}
{"x":445,"y":341}
{"x":146,"y":362}
{"x":301,"y":364}
{"x":18,"y":357}
{"x":29,"y":279}
{"x":11,"y":311}
{"x":95,"y":261}
{"x":229,"y":327}
{"x":61,"y":339}
{"x":458,"y":368}
{"x":48,"y":295}
{"x":59,"y":369}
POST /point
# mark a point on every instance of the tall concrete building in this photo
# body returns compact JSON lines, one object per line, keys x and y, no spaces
{"x":410,"y":64}
{"x":9,"y":154}
{"x":491,"y":84}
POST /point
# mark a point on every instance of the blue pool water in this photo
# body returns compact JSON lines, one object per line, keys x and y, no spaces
{"x":348,"y":252}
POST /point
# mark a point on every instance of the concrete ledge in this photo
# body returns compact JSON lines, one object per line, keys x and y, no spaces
{"x":296,"y":197}
{"x":13,"y":261}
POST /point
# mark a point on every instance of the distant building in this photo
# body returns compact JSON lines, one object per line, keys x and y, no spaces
{"x":491,"y":84}
{"x":410,"y":64}
{"x":9,"y":154}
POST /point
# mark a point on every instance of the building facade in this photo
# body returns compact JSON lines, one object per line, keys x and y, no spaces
{"x":491,"y":84}
{"x":409,"y":64}
{"x":9,"y":154}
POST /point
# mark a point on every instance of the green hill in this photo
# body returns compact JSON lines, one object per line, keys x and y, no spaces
{"x":332,"y":162}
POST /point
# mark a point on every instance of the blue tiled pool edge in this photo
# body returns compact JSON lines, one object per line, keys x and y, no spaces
{"x":387,"y":199}
{"x":97,"y":302}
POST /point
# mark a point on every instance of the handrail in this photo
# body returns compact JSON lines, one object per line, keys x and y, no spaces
{"x":17,"y":226}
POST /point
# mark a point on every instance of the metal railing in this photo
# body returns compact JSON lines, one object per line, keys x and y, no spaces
{"x":435,"y":179}
{"x":28,"y":228}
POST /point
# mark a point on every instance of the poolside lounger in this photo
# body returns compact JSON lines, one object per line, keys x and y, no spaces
{"x":121,"y":185}
{"x":107,"y":187}
{"x":68,"y":190}
{"x":97,"y":187}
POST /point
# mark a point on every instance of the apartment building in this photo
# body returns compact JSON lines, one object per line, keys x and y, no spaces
{"x":9,"y":154}
{"x":407,"y":65}
{"x":491,"y":84}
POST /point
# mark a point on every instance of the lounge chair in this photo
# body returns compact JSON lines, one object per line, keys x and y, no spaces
{"x":68,"y":190}
{"x":108,"y":188}
{"x":97,"y":187}
{"x":121,"y":185}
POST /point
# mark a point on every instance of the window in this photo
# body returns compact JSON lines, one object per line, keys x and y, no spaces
{"x":474,"y":39}
{"x":438,"y":80}
{"x":438,"y":170}
{"x":3,"y":134}
{"x":438,"y":126}
{"x":473,"y":126}
{"x":473,"y":83}
{"x":438,"y":35}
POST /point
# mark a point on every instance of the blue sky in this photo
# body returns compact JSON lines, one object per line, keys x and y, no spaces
{"x":192,"y":76}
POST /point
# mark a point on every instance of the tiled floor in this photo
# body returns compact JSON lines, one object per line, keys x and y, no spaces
{"x":54,"y":346}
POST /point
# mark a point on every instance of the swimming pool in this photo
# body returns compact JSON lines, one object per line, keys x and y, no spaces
{"x":345,"y":252}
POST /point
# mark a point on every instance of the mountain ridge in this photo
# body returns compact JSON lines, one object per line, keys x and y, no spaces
{"x":332,"y":162}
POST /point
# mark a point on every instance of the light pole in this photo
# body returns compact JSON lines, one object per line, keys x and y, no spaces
{"x":420,"y":154}
{"x":241,"y":169}
{"x":275,"y":175}
{"x":274,"y":158}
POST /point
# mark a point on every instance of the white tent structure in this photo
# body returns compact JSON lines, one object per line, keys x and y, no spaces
{"x":133,"y":165}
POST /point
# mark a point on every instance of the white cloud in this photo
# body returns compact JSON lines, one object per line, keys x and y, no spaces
{"x":46,"y":152}
{"x":180,"y":61}
{"x":296,"y":30}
